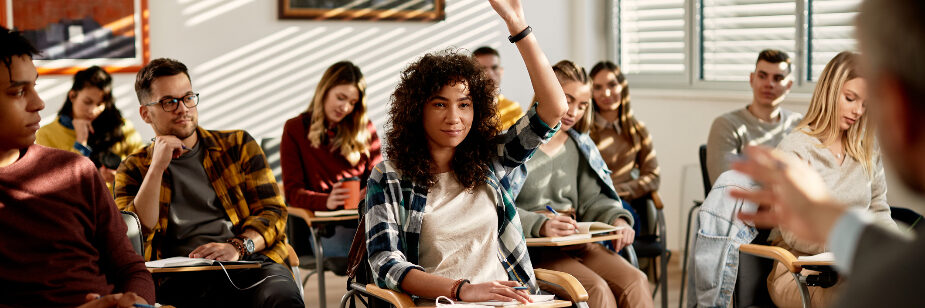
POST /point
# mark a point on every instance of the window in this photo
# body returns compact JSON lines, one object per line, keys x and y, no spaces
{"x":652,"y":36}
{"x":655,"y":37}
{"x":832,"y":31}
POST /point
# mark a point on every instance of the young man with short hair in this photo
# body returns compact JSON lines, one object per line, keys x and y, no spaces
{"x":64,"y":242}
{"x":490,"y":61}
{"x":204,"y":194}
{"x":763,"y":122}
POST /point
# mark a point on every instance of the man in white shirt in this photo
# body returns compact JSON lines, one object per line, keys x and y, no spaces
{"x":885,"y":268}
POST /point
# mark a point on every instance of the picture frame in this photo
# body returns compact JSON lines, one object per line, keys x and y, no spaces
{"x":74,"y":35}
{"x":401,"y":10}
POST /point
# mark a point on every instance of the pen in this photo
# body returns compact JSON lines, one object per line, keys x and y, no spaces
{"x":137,"y":304}
{"x":520,"y":288}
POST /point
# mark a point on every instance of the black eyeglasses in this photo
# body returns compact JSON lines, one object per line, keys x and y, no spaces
{"x":171,"y":104}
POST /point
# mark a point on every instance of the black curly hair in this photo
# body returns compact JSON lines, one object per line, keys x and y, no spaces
{"x":407,"y":139}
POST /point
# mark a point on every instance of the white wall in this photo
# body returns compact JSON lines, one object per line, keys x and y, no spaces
{"x":254,"y":72}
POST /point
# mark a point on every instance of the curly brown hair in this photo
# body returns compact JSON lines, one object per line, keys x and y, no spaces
{"x":407,"y":139}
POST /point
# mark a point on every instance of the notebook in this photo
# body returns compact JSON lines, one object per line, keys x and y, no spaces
{"x":537,"y":300}
{"x":336,"y":213}
{"x":822,"y":257}
{"x":184,"y":261}
{"x":585,"y":230}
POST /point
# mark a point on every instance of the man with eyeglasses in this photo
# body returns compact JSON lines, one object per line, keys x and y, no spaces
{"x":204,"y":194}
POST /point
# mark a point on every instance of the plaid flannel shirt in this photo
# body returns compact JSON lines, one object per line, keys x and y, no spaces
{"x":241,"y":178}
{"x":395,"y":211}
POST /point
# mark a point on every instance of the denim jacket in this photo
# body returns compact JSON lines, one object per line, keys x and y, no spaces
{"x":715,"y":261}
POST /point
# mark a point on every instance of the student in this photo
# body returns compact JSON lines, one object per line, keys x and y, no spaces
{"x":624,"y":141}
{"x":835,"y":140}
{"x":331,"y":141}
{"x":762,"y":122}
{"x":884,"y":266}
{"x":569,"y":175}
{"x":490,"y":60}
{"x":440,"y":220}
{"x":90,"y":124}
{"x":64,"y":241}
{"x":204,"y":194}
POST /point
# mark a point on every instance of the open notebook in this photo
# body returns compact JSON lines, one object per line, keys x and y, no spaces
{"x":336,"y":213}
{"x":585,"y":230}
{"x":184,"y":261}
{"x":537,"y":300}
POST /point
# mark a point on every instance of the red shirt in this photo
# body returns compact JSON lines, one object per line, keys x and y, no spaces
{"x":310,"y":172}
{"x":62,"y":236}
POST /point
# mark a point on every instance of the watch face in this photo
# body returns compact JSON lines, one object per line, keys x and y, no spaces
{"x":249,"y":245}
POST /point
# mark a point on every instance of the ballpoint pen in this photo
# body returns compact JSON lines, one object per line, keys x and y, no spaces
{"x":557,"y":214}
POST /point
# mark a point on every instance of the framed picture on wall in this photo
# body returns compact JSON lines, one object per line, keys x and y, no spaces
{"x":73,"y":35}
{"x":424,"y":10}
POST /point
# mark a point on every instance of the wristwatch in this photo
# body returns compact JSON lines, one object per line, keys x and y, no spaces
{"x":248,"y":244}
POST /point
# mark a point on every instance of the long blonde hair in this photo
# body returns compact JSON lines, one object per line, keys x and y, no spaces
{"x":352,"y":137}
{"x":568,"y":71}
{"x":822,"y":119}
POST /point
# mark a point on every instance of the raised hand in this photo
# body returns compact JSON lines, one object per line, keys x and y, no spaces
{"x":512,"y":12}
{"x":493,"y":291}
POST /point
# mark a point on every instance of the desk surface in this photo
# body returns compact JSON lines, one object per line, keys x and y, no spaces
{"x":554,"y":303}
{"x":575,"y":242}
{"x":310,"y":218}
{"x":155,"y":270}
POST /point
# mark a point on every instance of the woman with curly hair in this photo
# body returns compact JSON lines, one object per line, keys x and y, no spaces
{"x":836,"y":140}
{"x":331,"y":141}
{"x":568,"y":175}
{"x":90,"y":124}
{"x":623,"y":141}
{"x":440,"y":220}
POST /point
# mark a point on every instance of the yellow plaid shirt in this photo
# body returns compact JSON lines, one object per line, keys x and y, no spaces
{"x":241,"y":178}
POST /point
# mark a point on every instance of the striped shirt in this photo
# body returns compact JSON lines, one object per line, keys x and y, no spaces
{"x":635,"y":169}
{"x":241,"y":178}
{"x":395,"y":211}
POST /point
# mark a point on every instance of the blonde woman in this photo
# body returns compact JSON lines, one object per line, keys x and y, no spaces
{"x":568,"y":175}
{"x":836,"y":140}
{"x":623,"y":141}
{"x":331,"y":141}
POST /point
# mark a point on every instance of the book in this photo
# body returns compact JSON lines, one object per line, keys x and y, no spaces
{"x":336,"y":213}
{"x":822,"y":257}
{"x":185,"y":262}
{"x":537,"y":300}
{"x":585,"y":230}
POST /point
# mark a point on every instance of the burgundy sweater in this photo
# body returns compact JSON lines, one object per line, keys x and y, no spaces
{"x":310,"y":172}
{"x":62,"y":236}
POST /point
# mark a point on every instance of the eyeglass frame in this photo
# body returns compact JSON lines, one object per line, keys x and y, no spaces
{"x":176,"y":101}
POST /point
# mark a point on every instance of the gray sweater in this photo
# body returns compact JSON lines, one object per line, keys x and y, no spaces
{"x":563,"y":181}
{"x":849,"y":183}
{"x":733,"y":131}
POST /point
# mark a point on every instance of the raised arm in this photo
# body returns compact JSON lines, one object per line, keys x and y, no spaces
{"x":549,"y":94}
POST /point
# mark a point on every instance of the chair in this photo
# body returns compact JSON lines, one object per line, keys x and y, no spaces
{"x":751,"y":288}
{"x":652,"y":243}
{"x":134,"y":231}
{"x":705,"y":177}
{"x":360,"y":281}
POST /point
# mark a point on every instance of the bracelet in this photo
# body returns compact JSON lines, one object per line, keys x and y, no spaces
{"x":454,"y":291}
{"x":234,"y":241}
{"x":521,"y":35}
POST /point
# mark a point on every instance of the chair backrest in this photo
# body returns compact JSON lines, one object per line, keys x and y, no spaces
{"x":358,"y":270}
{"x":134,"y":232}
{"x":751,"y":289}
{"x":906,"y":216}
{"x":704,"y":174}
{"x":271,"y":150}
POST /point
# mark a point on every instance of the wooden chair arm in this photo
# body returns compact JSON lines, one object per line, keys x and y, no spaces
{"x":657,"y":200}
{"x":399,"y":300}
{"x":564,"y":280}
{"x":773,"y":252}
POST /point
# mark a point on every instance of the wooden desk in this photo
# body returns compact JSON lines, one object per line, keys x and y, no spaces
{"x":593,"y":239}
{"x":314,"y":224}
{"x":155,"y":270}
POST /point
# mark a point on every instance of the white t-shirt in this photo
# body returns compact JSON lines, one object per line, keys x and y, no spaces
{"x":459,"y":234}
